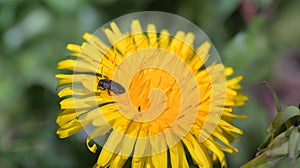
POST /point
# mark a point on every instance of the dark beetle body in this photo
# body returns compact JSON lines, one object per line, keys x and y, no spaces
{"x":110,"y":85}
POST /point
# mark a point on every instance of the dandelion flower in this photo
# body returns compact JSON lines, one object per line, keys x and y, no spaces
{"x":175,"y":97}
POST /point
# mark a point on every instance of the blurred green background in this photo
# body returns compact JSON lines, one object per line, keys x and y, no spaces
{"x":259,"y":38}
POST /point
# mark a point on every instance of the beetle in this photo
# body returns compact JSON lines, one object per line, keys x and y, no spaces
{"x":111,"y":85}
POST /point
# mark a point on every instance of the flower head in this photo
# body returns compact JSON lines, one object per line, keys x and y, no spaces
{"x":150,"y":95}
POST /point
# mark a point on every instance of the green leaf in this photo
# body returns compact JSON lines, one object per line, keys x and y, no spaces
{"x":293,"y":144}
{"x":262,"y":161}
{"x":283,"y":116}
{"x":272,"y":142}
{"x":270,"y":157}
{"x":279,"y":150}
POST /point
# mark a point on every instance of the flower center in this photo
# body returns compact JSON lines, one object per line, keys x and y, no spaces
{"x":161,"y":92}
{"x":155,"y":91}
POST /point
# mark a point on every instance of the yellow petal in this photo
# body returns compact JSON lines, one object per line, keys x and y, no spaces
{"x":138,"y":162}
{"x":81,"y":103}
{"x":89,"y":81}
{"x":76,"y":65}
{"x":231,"y":115}
{"x":72,"y":92}
{"x":91,"y":54}
{"x":228,"y":71}
{"x":67,"y":115}
{"x":164,"y":38}
{"x":70,"y":128}
{"x":176,"y":43}
{"x":203,"y":51}
{"x":218,"y":133}
{"x":234,"y":81}
{"x":199,"y":153}
{"x":229,"y":127}
{"x":115,"y":29}
{"x":220,"y":155}
{"x":160,"y":160}
{"x":187,"y":47}
{"x":177,"y":156}
{"x":92,"y":148}
{"x":118,"y":161}
{"x":201,"y":56}
{"x":73,"y":47}
{"x":104,"y":158}
{"x":99,"y":131}
{"x":138,"y":35}
{"x":86,"y":36}
{"x":116,"y":38}
{"x":96,"y":42}
{"x":152,"y":35}
{"x":128,"y":142}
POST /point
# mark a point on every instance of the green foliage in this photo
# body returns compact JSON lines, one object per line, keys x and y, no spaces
{"x":282,"y":142}
{"x":283,"y":138}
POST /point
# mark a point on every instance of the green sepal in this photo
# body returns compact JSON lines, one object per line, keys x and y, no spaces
{"x":293,"y":145}
{"x":262,"y":161}
{"x":280,"y":124}
{"x":279,"y":150}
{"x":286,"y":114}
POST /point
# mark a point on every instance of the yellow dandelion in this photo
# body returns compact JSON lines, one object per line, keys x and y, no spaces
{"x":148,"y":94}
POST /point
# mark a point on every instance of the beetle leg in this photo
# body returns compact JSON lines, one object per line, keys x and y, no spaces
{"x":100,"y":88}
